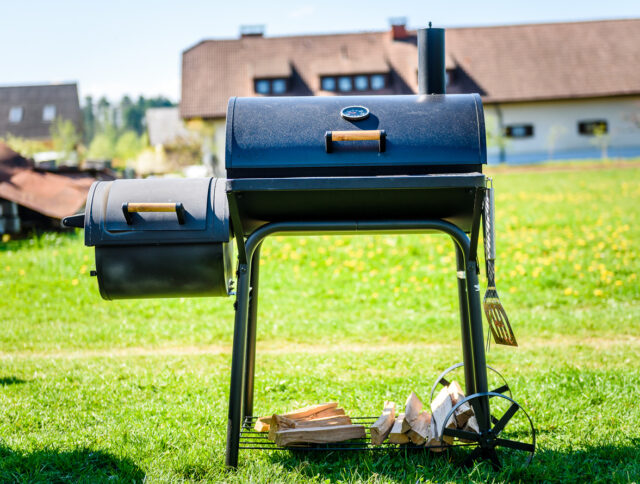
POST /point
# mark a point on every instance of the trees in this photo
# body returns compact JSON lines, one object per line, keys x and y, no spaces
{"x":116,"y":131}
{"x":89,"y":120}
{"x":65,"y":138}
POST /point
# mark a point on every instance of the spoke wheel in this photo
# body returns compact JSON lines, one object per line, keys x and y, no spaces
{"x":497,"y":382}
{"x":511,"y":439}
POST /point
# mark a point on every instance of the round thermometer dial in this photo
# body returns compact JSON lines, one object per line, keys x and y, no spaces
{"x":354,"y":113}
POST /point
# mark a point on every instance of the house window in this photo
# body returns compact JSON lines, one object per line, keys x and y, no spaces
{"x":378,"y":81}
{"x":271,"y":86}
{"x":360,"y":82}
{"x":345,"y":84}
{"x":15,"y":114}
{"x":593,"y":127}
{"x":328,"y":83}
{"x":278,"y":86}
{"x":519,"y":131}
{"x":48,"y":113}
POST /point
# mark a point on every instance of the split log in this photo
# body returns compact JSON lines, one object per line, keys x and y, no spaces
{"x":327,"y":412}
{"x":381,"y":428}
{"x":397,"y":436}
{"x":471,"y":426}
{"x":262,"y":424}
{"x":464,"y":412}
{"x":319,"y":435}
{"x":284,"y":423}
{"x":419,"y":431}
{"x":412,"y":410}
{"x":440,"y":407}
{"x":311,"y":410}
{"x":433,"y":443}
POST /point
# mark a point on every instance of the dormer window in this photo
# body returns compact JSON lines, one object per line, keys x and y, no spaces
{"x":378,"y":81}
{"x":328,"y":83}
{"x":48,"y":113}
{"x":345,"y":84}
{"x":359,"y":82}
{"x":15,"y":114}
{"x":271,"y":86}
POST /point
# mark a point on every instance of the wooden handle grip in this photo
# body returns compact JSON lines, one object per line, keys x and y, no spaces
{"x":136,"y":207}
{"x":133,"y":207}
{"x":371,"y":135}
{"x":378,"y":135}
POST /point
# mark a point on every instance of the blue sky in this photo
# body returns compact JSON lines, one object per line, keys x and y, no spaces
{"x":116,"y":47}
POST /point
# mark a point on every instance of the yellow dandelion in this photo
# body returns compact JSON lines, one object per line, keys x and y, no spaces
{"x":85,"y":258}
{"x":7,"y":268}
{"x":618,"y":282}
{"x":597,"y":292}
{"x":83,"y":269}
{"x":6,"y":237}
{"x":577,"y":267}
{"x":513,"y":289}
{"x":568,"y":291}
{"x":374,"y":295}
{"x":74,"y":282}
{"x":21,"y":272}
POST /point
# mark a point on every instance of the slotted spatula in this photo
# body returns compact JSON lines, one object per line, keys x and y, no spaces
{"x":496,"y":315}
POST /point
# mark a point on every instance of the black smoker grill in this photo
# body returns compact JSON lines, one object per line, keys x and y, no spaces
{"x":311,"y":165}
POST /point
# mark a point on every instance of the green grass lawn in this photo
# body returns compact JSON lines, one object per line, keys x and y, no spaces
{"x":132,"y":390}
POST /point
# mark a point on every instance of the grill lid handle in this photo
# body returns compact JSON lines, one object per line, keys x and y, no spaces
{"x":378,"y":135}
{"x":134,"y":207}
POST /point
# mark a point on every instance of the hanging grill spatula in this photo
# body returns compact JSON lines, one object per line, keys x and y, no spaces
{"x":496,"y":315}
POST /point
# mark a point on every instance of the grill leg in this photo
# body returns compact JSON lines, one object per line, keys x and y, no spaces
{"x":236,"y":389}
{"x":479,"y":362}
{"x":250,"y":357}
{"x":465,"y":325}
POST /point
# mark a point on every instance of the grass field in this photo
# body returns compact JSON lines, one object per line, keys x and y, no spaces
{"x":97,"y":391}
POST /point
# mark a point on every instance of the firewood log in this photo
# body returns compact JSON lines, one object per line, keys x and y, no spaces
{"x":440,"y":408}
{"x":319,"y":435}
{"x":381,"y":428}
{"x":397,"y":436}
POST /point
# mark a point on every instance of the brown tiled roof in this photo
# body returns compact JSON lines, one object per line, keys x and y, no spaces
{"x":33,"y":99}
{"x":50,"y":194}
{"x":503,"y":64}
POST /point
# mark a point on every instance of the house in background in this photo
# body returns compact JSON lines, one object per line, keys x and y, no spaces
{"x":165,"y":126}
{"x":29,"y":111}
{"x":563,"y":90}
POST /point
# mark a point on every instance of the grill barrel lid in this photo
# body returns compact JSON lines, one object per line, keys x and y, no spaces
{"x":291,"y":132}
{"x":197,"y":212}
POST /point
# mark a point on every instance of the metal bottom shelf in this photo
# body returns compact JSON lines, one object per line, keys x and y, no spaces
{"x":250,"y":439}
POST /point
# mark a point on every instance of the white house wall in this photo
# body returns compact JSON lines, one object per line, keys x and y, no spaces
{"x":563,"y":117}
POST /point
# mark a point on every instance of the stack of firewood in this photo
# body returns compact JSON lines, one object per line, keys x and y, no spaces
{"x":327,"y":423}
{"x":317,"y":424}
{"x":422,"y":427}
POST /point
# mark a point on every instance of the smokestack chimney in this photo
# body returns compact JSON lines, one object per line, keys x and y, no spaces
{"x":431,"y":61}
{"x":398,"y":28}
